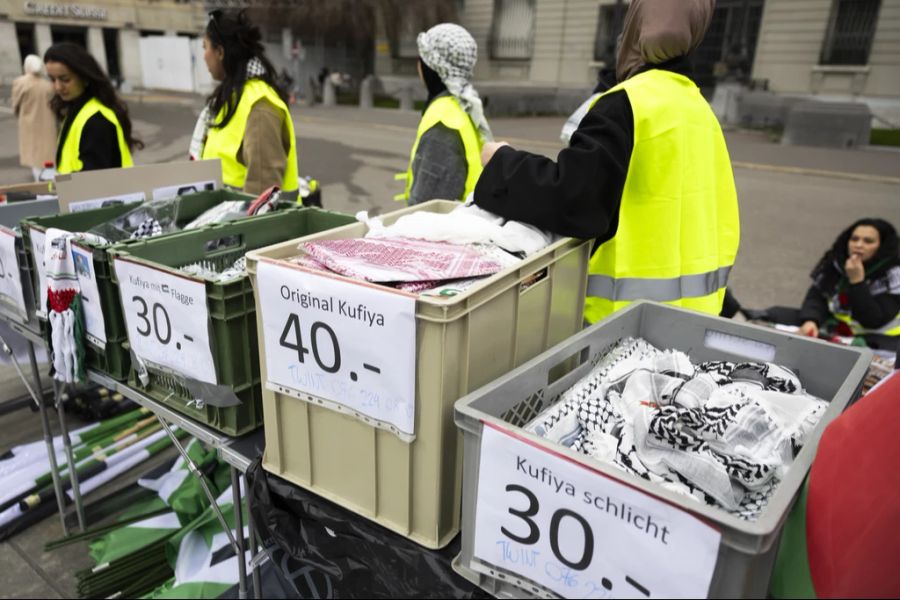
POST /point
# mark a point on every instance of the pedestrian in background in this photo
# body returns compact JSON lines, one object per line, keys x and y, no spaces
{"x":246,"y":122}
{"x":445,"y":161}
{"x":646,"y":174}
{"x":31,"y":97}
{"x":96,"y":129}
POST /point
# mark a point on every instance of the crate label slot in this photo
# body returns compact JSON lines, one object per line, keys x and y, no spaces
{"x":351,"y":344}
{"x":169,"y":192}
{"x":545,"y":519}
{"x":84,"y":205}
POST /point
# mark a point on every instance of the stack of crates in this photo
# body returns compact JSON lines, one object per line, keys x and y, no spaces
{"x":747,"y":549}
{"x":232,"y":310}
{"x":462,"y":342}
{"x":113,"y":360}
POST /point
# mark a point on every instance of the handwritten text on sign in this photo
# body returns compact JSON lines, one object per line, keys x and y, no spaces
{"x":582,"y":534}
{"x":10,"y":282}
{"x":348,"y":343}
{"x":90,"y":294}
{"x":167,"y":319}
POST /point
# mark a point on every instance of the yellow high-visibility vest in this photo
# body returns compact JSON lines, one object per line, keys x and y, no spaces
{"x":70,"y":155}
{"x":679,"y":226}
{"x":840,"y":313}
{"x":447,"y":111}
{"x":225,"y":142}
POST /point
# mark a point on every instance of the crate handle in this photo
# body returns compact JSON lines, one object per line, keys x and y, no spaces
{"x":568,"y":364}
{"x":224,"y":244}
{"x":531,"y":280}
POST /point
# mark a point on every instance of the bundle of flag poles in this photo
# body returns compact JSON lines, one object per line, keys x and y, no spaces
{"x":101,"y":452}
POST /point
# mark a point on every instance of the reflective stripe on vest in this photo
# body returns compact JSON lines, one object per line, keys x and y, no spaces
{"x":70,"y":156}
{"x":891,"y":328}
{"x":678,"y":228}
{"x":447,"y":111}
{"x":224,"y":143}
{"x":659,"y":290}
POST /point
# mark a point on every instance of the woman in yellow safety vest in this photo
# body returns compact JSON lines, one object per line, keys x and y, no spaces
{"x":246,"y":122}
{"x":96,"y":130}
{"x":646,"y":173}
{"x":445,"y":161}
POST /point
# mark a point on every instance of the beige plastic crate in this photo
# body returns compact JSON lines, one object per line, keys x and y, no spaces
{"x":463,"y":342}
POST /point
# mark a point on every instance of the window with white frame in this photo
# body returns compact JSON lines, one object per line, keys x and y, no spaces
{"x":512,"y":33}
{"x":850,"y":32}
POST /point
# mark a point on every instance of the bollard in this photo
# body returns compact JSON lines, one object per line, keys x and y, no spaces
{"x":366,"y":94}
{"x":329,"y":98}
{"x":406,"y":99}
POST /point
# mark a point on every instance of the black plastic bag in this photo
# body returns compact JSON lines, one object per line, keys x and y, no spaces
{"x":334,"y":553}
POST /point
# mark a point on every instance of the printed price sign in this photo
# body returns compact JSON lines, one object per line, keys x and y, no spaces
{"x":350,"y":344}
{"x":167,"y":319}
{"x":90,"y":295}
{"x":581,"y":534}
{"x":37,"y":251}
{"x":10,"y":281}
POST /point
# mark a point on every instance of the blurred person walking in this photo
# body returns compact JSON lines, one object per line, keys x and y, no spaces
{"x":246,"y":122}
{"x":96,"y":129}
{"x":31,"y":97}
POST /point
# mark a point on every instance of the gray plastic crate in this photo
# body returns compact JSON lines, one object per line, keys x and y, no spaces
{"x":747,"y":551}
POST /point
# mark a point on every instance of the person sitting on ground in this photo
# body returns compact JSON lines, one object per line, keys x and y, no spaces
{"x":855,"y":290}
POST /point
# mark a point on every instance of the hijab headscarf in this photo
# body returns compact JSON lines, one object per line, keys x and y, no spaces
{"x":829,"y":274}
{"x":657,"y":31}
{"x":451,"y":52}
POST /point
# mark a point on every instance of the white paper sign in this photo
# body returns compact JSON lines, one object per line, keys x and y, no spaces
{"x":167,"y":319}
{"x":173,"y":191}
{"x":10,"y":279}
{"x":348,"y":343}
{"x":581,"y":534}
{"x":108,"y":201}
{"x":37,"y":251}
{"x":90,"y":295}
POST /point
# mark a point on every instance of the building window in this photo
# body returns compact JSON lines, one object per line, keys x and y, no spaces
{"x":609,"y":25}
{"x":512,"y":33}
{"x":850,"y":32}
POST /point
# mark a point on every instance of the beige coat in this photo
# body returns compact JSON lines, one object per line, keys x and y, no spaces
{"x":31,"y":97}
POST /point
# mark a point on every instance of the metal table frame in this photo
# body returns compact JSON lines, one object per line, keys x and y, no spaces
{"x":166,"y":417}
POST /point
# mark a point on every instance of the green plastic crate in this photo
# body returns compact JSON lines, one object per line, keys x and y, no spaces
{"x":232,"y":308}
{"x":113,"y":360}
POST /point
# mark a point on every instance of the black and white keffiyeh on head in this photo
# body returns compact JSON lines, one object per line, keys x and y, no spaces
{"x":451,"y":52}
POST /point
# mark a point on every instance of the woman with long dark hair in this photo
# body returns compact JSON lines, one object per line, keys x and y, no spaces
{"x":855,"y":291}
{"x":96,"y":130}
{"x":856,"y":286}
{"x":246,"y":123}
